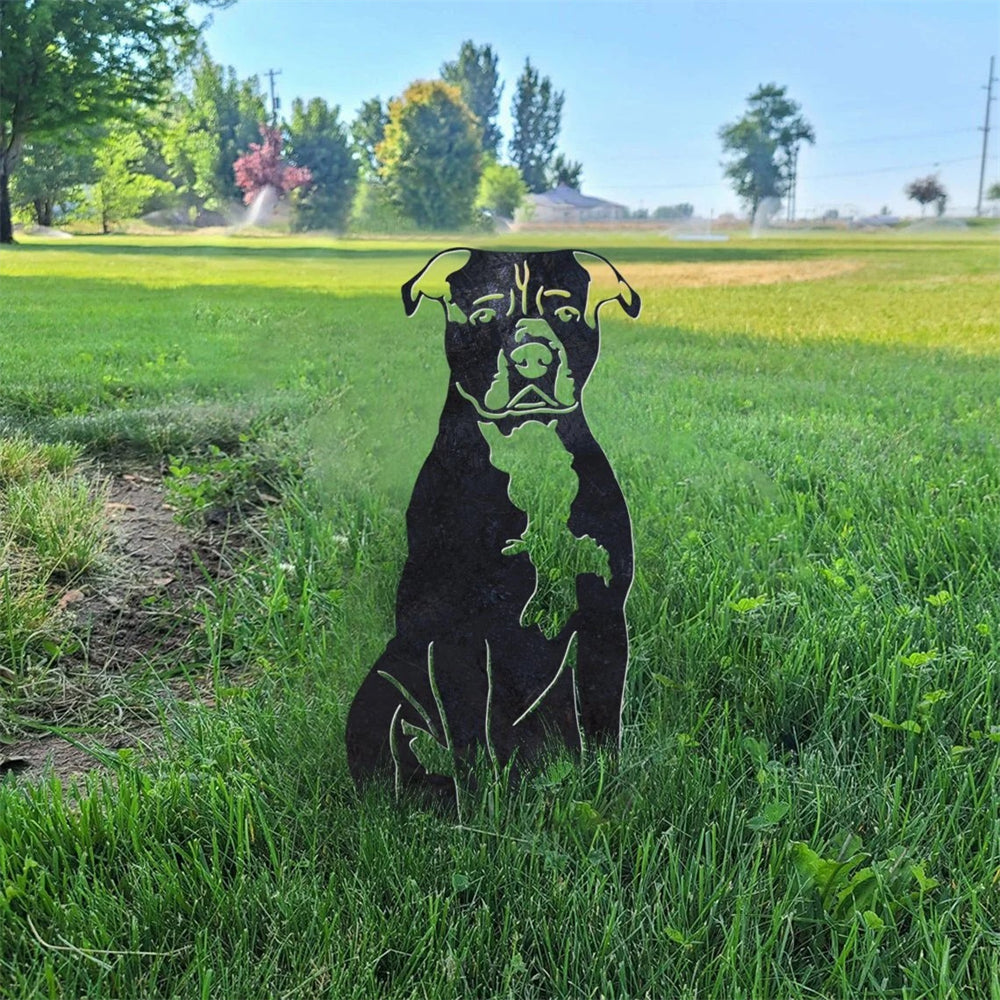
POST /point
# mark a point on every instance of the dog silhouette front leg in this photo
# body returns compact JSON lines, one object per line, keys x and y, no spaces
{"x":601,"y":664}
{"x":393,"y":719}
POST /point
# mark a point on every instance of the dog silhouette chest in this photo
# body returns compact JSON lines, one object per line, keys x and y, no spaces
{"x":510,"y":625}
{"x":544,"y":486}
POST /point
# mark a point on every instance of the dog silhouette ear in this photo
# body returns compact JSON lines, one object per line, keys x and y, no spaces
{"x":606,"y":285}
{"x":432,"y":281}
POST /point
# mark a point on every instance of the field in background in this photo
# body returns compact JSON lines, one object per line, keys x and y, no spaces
{"x":807,"y":430}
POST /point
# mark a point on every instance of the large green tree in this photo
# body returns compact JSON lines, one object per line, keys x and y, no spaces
{"x":501,"y":189}
{"x":318,"y":140}
{"x":51,"y":173}
{"x":123,"y":188}
{"x":67,"y":65}
{"x":537,"y":114}
{"x":475,"y":75}
{"x":367,"y":131}
{"x":761,"y":145}
{"x":564,"y":171}
{"x":210,"y":126}
{"x":430,"y":156}
{"x":372,"y":209}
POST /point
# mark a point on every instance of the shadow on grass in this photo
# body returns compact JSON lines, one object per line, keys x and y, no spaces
{"x":665,"y":253}
{"x":419,"y":254}
{"x":170,"y":368}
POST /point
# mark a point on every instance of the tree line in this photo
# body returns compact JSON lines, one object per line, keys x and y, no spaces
{"x":114,"y":108}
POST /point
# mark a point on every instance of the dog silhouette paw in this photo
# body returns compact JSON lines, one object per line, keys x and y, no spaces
{"x":550,"y":617}
{"x":515,"y":546}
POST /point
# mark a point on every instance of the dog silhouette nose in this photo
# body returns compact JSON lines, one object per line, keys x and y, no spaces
{"x":533,"y":356}
{"x":532,"y":359}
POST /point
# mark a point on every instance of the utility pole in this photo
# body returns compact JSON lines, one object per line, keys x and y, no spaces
{"x":985,"y":129}
{"x":275,"y":101}
{"x":793,"y":180}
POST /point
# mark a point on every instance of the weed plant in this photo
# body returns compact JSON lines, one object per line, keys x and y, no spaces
{"x":805,"y":804}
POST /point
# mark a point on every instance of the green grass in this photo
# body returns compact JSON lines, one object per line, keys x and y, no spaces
{"x":53,"y":528}
{"x":806,"y":802}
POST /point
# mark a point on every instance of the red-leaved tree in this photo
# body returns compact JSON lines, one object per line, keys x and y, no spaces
{"x":263,"y":167}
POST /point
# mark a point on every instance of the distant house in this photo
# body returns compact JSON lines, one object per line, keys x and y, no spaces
{"x":564,"y":204}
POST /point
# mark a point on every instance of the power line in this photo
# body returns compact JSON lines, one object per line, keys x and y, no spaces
{"x":889,"y":170}
{"x":900,"y":138}
{"x":811,"y":177}
{"x":634,"y":158}
{"x":986,"y":136}
{"x":923,"y":106}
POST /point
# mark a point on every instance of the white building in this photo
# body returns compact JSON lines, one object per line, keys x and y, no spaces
{"x":564,"y":204}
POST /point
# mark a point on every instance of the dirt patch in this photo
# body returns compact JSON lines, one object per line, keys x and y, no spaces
{"x":135,"y":611}
{"x":749,"y":272}
{"x":34,"y":758}
{"x":140,"y":612}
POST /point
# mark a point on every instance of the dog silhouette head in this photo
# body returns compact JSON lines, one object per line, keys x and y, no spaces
{"x":522,"y":328}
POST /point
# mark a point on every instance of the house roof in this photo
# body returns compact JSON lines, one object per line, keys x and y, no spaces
{"x":564,"y":196}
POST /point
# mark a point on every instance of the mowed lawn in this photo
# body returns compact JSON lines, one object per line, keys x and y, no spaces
{"x":807,"y":802}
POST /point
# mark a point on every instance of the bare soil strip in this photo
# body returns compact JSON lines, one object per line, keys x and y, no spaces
{"x":749,"y":272}
{"x":140,"y":611}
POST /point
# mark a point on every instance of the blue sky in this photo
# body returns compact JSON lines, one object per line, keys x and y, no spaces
{"x":894,"y":90}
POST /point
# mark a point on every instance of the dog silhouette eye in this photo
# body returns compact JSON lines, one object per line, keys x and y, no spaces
{"x":567,"y":313}
{"x":483,"y":315}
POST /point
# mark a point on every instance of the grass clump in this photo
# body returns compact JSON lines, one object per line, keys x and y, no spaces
{"x":60,"y":521}
{"x":26,"y":616}
{"x":22,"y":459}
{"x":53,"y":529}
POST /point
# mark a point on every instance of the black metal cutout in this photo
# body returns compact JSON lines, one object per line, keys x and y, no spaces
{"x":510,"y":612}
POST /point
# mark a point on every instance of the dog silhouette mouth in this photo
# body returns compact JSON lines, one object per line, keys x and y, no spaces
{"x":532,"y":378}
{"x":532,"y":399}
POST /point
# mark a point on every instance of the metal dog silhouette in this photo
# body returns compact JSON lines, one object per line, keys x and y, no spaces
{"x":510,"y":622}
